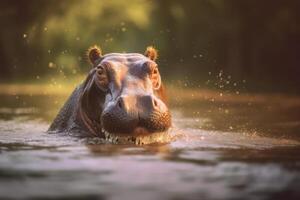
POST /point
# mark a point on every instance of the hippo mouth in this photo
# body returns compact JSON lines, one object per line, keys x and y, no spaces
{"x":140,"y":136}
{"x":140,"y":130}
{"x":133,"y":125}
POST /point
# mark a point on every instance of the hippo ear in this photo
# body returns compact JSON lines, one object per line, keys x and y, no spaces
{"x":151,"y":53}
{"x":94,"y":53}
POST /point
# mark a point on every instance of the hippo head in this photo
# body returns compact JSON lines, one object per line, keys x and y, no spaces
{"x":124,"y":95}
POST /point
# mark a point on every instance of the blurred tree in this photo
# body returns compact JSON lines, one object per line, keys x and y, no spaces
{"x":249,"y":39}
{"x":18,"y":55}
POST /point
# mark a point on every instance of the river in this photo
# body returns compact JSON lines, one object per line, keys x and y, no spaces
{"x":224,"y":147}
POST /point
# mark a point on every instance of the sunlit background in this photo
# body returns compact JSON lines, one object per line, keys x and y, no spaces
{"x":231,"y":68}
{"x":234,"y":45}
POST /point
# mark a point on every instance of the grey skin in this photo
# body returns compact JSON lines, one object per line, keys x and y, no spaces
{"x":122,"y":94}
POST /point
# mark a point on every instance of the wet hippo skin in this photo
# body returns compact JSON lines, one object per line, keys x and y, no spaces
{"x":122,"y":94}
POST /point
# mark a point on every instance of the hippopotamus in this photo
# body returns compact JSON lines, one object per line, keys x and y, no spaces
{"x":122,"y":94}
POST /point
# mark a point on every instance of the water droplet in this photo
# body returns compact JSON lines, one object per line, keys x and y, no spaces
{"x":220,"y":73}
{"x":51,"y":65}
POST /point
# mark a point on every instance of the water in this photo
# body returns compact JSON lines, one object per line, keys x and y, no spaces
{"x":226,"y":148}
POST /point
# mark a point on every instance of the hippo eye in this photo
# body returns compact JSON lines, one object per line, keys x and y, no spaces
{"x":100,"y":70}
{"x":102,"y":78}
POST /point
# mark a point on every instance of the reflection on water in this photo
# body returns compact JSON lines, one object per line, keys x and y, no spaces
{"x":225,"y":149}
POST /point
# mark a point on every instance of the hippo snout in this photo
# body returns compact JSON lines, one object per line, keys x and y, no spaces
{"x":129,"y":113}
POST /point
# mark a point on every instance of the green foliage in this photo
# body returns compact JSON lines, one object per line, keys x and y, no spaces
{"x":249,"y":39}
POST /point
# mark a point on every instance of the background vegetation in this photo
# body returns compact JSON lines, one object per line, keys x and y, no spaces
{"x":205,"y":43}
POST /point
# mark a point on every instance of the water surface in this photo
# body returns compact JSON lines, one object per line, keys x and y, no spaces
{"x":227,"y":148}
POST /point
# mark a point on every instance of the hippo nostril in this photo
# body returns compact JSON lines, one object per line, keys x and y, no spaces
{"x":155,"y":103}
{"x":120,"y":103}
